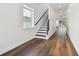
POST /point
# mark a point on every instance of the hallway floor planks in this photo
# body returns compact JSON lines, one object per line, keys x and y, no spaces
{"x":55,"y":46}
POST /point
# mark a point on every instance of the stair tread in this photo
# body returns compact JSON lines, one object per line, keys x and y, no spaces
{"x":42,"y":32}
{"x":40,"y":35}
{"x":43,"y":27}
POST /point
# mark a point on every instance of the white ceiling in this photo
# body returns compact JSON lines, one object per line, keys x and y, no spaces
{"x":59,"y":6}
{"x":55,"y":6}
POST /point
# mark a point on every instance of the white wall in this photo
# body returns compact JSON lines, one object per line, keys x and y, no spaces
{"x":73,"y":25}
{"x":52,"y":23}
{"x":11,"y":32}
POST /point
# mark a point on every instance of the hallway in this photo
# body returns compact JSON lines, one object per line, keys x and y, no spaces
{"x":55,"y":46}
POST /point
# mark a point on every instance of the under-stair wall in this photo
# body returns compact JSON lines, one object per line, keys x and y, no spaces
{"x":52,"y":21}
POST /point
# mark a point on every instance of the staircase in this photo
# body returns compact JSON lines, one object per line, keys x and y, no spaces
{"x":43,"y":30}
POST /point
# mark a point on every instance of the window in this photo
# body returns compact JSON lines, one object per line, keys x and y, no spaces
{"x":28,"y":16}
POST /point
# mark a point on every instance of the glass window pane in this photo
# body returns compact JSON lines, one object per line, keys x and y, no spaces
{"x":27,"y":12}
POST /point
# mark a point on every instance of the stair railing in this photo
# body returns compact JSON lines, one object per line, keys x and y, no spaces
{"x":48,"y":27}
{"x":41,"y":17}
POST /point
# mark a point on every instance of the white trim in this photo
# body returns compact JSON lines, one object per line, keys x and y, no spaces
{"x":28,"y":7}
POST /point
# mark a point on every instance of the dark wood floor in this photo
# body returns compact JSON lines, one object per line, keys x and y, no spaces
{"x":55,"y":46}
